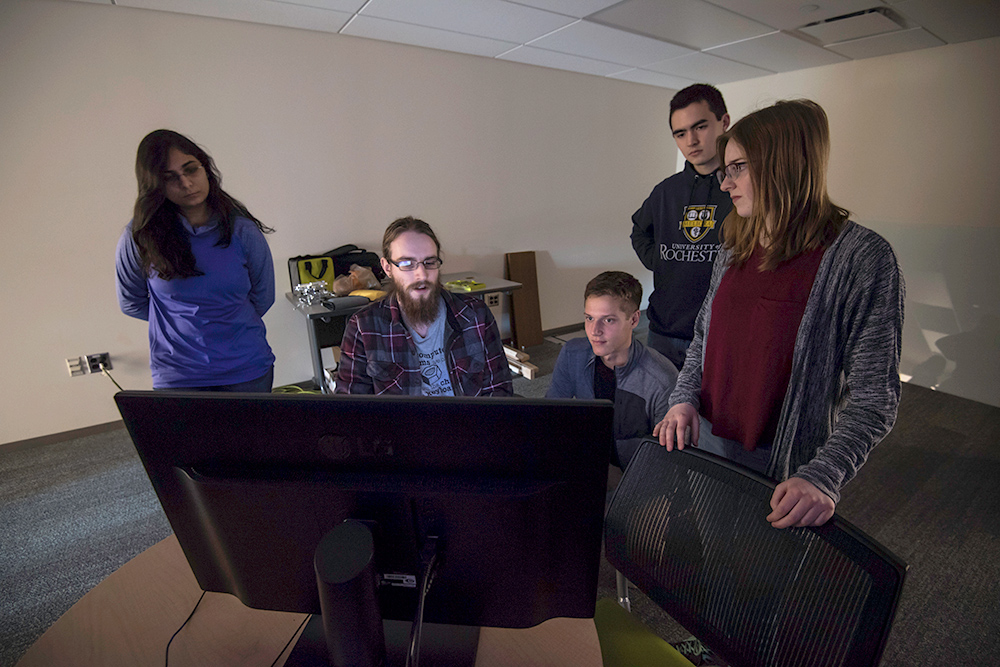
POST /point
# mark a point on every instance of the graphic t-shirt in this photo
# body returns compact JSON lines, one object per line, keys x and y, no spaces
{"x":431,"y":355}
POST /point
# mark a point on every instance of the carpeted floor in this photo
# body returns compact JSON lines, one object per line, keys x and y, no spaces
{"x":73,"y":512}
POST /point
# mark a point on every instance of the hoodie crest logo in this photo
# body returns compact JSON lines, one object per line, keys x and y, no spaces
{"x":698,"y":221}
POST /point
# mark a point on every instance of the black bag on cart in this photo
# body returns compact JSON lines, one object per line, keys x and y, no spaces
{"x":347,"y":255}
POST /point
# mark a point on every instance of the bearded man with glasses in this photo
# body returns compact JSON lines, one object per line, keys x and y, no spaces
{"x":421,"y":340}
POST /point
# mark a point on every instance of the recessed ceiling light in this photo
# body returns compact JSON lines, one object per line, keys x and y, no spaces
{"x":852,"y":26}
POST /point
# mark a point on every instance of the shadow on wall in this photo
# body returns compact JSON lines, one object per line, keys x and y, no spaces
{"x":951,"y":334}
{"x":573,"y":270}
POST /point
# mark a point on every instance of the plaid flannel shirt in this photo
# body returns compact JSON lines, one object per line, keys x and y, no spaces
{"x":378,"y":356}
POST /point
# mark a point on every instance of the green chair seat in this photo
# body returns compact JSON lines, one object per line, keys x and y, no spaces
{"x":627,"y":642}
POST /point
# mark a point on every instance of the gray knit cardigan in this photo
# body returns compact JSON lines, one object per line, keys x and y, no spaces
{"x":844,"y":386}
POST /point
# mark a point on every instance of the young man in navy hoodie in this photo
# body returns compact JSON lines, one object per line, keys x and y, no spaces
{"x":676,"y":231}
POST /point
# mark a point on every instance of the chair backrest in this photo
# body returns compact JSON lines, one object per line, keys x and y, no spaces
{"x":688,"y":528}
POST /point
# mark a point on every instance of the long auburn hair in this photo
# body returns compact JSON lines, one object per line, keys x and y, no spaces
{"x":161,"y":239}
{"x":787,"y":146}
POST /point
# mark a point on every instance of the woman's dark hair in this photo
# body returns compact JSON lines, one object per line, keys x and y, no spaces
{"x":163,"y":244}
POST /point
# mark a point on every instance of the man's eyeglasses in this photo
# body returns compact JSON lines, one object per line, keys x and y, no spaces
{"x":430,"y":264}
{"x":731,"y":171}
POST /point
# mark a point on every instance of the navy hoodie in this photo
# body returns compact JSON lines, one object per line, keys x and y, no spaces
{"x":676,"y":236}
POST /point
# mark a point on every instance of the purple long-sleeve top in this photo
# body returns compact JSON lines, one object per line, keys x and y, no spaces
{"x":204,"y":330}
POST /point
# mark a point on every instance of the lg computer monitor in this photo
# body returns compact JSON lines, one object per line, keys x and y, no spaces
{"x":514,"y":490}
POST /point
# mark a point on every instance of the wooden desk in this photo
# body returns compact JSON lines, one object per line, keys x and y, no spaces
{"x":325,"y":327}
{"x":129,"y":617}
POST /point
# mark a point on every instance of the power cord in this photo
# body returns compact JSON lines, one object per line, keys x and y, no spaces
{"x":166,"y":660}
{"x":429,"y":558}
{"x":105,"y":373}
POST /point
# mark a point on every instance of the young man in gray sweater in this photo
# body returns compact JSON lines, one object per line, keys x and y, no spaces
{"x":611,"y":364}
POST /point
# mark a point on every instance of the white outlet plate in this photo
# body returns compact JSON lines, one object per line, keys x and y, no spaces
{"x":76,"y":367}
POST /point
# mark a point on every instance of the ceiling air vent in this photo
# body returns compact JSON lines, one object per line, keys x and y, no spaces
{"x":865,"y":23}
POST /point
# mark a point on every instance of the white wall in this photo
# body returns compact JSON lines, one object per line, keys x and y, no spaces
{"x":915,"y":143}
{"x":326,"y":138}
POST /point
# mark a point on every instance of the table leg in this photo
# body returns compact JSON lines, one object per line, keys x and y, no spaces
{"x":317,"y":357}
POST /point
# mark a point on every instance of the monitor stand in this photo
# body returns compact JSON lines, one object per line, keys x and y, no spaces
{"x":351,"y":622}
{"x":440,"y":645}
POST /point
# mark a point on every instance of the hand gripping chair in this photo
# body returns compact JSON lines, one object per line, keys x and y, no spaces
{"x":688,"y":529}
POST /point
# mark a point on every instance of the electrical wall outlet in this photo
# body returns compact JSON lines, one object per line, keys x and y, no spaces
{"x":95,"y":361}
{"x":493,"y":299}
{"x":76,"y":366}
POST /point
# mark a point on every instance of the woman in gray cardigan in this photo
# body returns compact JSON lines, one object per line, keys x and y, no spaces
{"x":797,"y":375}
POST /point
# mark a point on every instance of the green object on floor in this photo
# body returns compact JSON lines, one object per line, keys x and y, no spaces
{"x":627,"y":642}
{"x":294,"y":389}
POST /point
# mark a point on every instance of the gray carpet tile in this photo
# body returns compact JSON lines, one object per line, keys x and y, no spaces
{"x":73,"y":513}
{"x":930,"y":492}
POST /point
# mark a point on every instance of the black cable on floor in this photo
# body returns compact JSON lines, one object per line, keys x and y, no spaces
{"x":166,"y":660}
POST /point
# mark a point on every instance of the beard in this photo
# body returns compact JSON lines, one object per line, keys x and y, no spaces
{"x":419,"y":309}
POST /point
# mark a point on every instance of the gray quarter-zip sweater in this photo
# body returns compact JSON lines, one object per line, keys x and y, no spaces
{"x":643,"y":386}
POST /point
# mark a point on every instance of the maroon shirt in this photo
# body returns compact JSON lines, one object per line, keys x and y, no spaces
{"x":748,"y":352}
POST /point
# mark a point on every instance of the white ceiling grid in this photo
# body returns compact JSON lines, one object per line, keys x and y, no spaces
{"x":667,"y":43}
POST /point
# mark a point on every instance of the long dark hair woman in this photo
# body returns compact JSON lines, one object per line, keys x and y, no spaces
{"x":793,"y":370}
{"x":194,"y":263}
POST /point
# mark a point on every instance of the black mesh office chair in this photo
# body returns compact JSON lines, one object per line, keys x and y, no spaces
{"x":688,"y":529}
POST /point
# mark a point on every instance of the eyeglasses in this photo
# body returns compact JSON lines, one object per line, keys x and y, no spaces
{"x":189,"y":171}
{"x":732,"y":171}
{"x":430,"y":264}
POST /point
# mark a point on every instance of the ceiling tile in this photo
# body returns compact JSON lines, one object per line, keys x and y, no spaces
{"x":955,"y":20}
{"x":418,"y":35}
{"x":707,"y":68}
{"x":485,"y":18}
{"x":778,"y":52}
{"x":532,"y":56}
{"x":351,"y":6}
{"x":692,"y":23}
{"x":788,"y":14}
{"x":883,"y":45}
{"x":575,"y":8}
{"x":268,"y":13}
{"x":648,"y":41}
{"x":653,"y":79}
{"x":599,"y":42}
